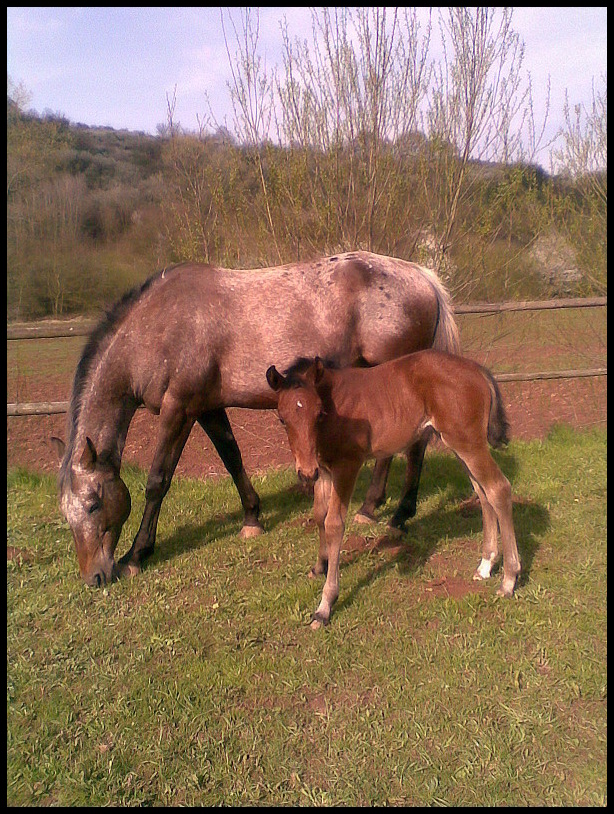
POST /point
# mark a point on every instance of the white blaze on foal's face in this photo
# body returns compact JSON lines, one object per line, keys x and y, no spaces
{"x":298,"y":410}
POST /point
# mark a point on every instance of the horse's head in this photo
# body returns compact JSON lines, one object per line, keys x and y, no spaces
{"x":300,"y":410}
{"x":96,"y":503}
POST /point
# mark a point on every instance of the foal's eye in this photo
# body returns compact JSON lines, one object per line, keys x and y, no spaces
{"x":94,"y":507}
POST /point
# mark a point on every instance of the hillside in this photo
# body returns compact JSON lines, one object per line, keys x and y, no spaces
{"x":92,"y":211}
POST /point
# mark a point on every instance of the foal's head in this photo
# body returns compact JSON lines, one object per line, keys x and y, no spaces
{"x":300,"y":410}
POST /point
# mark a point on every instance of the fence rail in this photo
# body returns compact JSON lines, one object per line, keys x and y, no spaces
{"x":530,"y":305}
{"x":84,"y":327}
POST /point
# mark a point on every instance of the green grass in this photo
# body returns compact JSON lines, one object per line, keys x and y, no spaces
{"x":200,"y":682}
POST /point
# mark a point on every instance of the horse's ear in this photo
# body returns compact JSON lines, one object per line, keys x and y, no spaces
{"x":59,"y":447}
{"x":89,"y":455}
{"x":274,"y":378}
{"x":318,"y":370}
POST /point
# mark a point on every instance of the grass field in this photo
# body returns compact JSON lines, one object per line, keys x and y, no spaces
{"x":200,"y":682}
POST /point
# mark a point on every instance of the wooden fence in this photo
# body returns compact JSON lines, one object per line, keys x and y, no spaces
{"x":84,"y":327}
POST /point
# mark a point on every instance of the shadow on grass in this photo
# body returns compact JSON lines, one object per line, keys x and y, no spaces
{"x":277,"y":508}
{"x":423,"y":538}
{"x":459,"y":518}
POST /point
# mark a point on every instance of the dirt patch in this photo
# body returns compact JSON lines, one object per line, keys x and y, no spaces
{"x":451,"y":572}
{"x":454,"y":587}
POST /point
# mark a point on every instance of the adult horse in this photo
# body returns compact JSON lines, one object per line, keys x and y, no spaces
{"x":195,"y":339}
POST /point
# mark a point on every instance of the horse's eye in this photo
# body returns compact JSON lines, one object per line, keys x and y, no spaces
{"x":281,"y":421}
{"x":94,"y":507}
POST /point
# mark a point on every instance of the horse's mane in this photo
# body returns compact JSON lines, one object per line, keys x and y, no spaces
{"x":105,"y":328}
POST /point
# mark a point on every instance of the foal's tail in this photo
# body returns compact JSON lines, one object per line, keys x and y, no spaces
{"x":446,"y":333}
{"x":498,"y":425}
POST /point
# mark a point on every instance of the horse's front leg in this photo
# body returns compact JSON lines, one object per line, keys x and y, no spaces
{"x":343,"y":480}
{"x":173,"y":434}
{"x":217,"y":426}
{"x":376,"y":493}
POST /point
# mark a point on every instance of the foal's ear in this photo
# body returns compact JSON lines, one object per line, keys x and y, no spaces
{"x":318,"y":370}
{"x":274,"y":378}
{"x":59,"y":447}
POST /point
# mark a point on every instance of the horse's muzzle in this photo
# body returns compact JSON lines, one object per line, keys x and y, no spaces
{"x":102,"y":575}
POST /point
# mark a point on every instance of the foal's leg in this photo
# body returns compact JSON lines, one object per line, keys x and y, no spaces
{"x":344,"y":479}
{"x":498,"y":492}
{"x":407,"y":505}
{"x":217,"y":426}
{"x":490,"y":531}
{"x":376,"y":493}
{"x":321,"y":498}
{"x":174,"y":431}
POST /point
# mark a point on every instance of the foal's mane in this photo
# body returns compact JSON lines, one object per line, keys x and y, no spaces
{"x":105,"y":328}
{"x":294,"y":373}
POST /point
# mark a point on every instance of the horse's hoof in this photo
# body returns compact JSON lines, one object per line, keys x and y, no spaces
{"x":395,"y":532}
{"x":127,"y":569}
{"x":364,"y":519}
{"x":251,"y":531}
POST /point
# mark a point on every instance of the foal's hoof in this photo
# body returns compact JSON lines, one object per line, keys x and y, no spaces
{"x":506,"y":588}
{"x":484,"y":569}
{"x":318,"y":621}
{"x":251,"y":531}
{"x":363,"y":518}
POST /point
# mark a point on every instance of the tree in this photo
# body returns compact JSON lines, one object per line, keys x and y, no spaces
{"x":479,"y":103}
{"x":582,"y":160}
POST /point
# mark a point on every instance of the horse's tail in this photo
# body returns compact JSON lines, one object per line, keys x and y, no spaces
{"x":498,"y":425}
{"x":446,"y":333}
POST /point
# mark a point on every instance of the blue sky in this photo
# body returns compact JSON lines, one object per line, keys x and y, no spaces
{"x":115,"y":66}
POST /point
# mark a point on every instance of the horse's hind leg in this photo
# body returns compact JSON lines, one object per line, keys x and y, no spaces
{"x":376,"y":493}
{"x":217,"y":426}
{"x":498,"y":493}
{"x":407,"y":505}
{"x":174,"y":431}
{"x":490,"y":531}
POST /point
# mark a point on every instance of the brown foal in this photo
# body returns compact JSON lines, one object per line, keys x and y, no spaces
{"x":335,"y":419}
